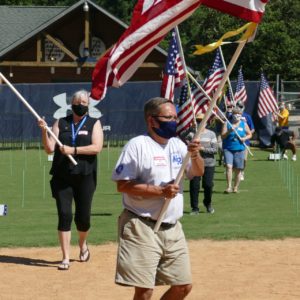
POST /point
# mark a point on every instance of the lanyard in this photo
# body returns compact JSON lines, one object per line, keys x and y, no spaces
{"x":75,"y":133}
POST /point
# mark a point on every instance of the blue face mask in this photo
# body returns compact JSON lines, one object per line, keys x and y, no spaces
{"x":166,"y":130}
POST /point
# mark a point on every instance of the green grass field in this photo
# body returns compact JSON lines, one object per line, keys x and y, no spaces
{"x":265,"y":208}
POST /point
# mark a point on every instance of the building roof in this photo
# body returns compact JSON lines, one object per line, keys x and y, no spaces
{"x":19,"y":23}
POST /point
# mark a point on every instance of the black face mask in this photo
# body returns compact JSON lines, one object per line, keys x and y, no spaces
{"x":80,"y":110}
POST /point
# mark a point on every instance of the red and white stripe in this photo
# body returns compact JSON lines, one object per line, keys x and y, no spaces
{"x":267,"y":102}
{"x":186,"y":117}
{"x":151,"y":21}
{"x":250,"y":10}
{"x":212,"y":82}
{"x":241,"y":95}
{"x":167,"y":87}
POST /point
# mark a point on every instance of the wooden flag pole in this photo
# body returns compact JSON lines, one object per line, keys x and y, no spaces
{"x":35,"y":114}
{"x":201,"y":128}
{"x":228,"y":79}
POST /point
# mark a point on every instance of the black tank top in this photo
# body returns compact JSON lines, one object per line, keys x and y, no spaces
{"x":86,"y":164}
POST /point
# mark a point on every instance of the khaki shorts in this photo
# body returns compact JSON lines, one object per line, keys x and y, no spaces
{"x":146,"y":259}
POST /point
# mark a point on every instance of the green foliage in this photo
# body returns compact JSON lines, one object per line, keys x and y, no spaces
{"x":120,"y":8}
{"x":264,"y":209}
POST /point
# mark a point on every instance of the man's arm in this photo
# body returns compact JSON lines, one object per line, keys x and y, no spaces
{"x":144,"y":190}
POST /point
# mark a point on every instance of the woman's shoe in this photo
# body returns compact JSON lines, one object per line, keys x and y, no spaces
{"x":228,"y":190}
{"x":235,"y":190}
{"x":84,"y":256}
{"x":63,"y":266}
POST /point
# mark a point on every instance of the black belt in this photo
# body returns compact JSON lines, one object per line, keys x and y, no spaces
{"x":163,"y":225}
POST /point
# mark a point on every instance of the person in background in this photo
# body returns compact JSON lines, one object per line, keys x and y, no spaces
{"x":285,"y":139}
{"x":246,"y":117}
{"x":283,"y":116}
{"x":81,"y":137}
{"x":234,"y":148}
{"x":208,"y":149}
{"x":228,"y":115}
{"x":144,"y":174}
{"x":229,"y":108}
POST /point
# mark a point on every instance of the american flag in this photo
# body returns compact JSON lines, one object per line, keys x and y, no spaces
{"x":240,"y":93}
{"x":211,"y":83}
{"x":185,"y":111}
{"x":250,"y":10}
{"x":174,"y":72}
{"x":228,"y":97}
{"x":199,"y":103}
{"x":151,"y":21}
{"x":267,"y":102}
{"x":190,"y":106}
{"x":215,"y":75}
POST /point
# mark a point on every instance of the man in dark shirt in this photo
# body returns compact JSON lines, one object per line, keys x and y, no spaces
{"x":285,"y":139}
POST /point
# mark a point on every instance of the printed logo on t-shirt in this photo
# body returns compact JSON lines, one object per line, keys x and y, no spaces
{"x":176,"y":159}
{"x":119,"y":169}
{"x":159,"y":161}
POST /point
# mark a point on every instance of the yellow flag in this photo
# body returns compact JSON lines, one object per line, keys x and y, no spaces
{"x":248,"y":30}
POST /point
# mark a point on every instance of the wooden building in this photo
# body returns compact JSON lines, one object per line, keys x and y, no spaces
{"x":42,"y":44}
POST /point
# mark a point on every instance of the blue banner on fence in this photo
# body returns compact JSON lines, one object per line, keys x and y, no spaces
{"x":121,"y":110}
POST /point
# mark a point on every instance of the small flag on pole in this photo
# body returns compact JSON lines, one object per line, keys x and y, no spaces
{"x":185,"y":111}
{"x":174,"y":71}
{"x":267,"y":102}
{"x":229,"y":99}
{"x":240,"y":93}
{"x":215,"y":75}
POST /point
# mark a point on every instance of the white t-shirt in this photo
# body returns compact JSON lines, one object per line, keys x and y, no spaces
{"x":146,"y":161}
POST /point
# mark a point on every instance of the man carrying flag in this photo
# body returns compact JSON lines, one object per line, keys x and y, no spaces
{"x":145,"y":174}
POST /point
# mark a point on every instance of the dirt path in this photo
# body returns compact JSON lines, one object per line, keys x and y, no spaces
{"x":221,"y":270}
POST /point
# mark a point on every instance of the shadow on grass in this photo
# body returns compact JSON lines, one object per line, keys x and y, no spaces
{"x":28,"y":261}
{"x":200,"y":212}
{"x":220,"y":179}
{"x":101,"y":214}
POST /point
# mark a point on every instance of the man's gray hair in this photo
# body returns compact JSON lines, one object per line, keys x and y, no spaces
{"x":152,"y":106}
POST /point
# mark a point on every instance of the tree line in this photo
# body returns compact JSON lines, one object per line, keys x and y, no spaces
{"x":275,"y":49}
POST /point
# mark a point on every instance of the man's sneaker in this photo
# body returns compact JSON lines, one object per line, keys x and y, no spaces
{"x":294,"y":158}
{"x":242,"y":177}
{"x":210,"y":209}
{"x":284,"y":156}
{"x":194,"y":212}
